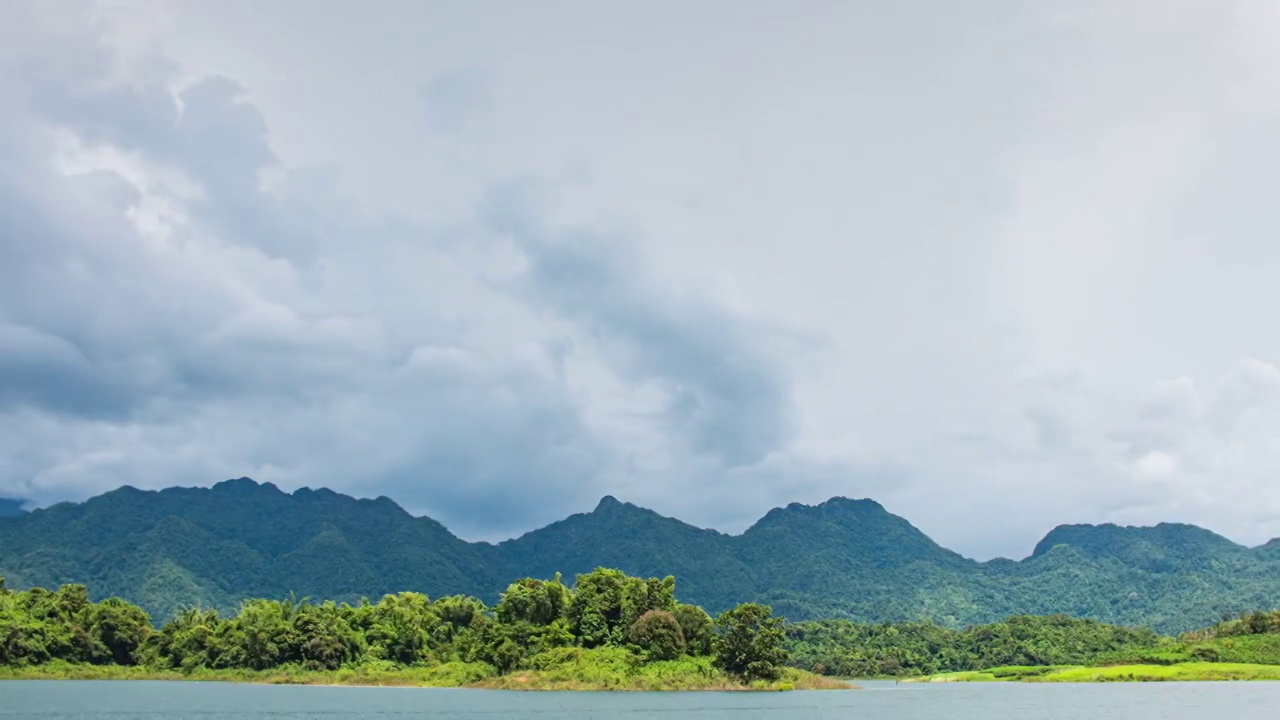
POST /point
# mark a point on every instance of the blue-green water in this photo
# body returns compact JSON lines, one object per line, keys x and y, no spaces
{"x":73,"y":700}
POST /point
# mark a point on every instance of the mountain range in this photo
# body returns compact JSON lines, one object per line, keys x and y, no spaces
{"x":212,"y":547}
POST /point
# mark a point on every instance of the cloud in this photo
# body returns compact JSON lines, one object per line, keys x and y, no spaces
{"x":723,"y":394}
{"x":1156,"y":465}
{"x":1176,"y":452}
{"x":458,"y":99}
{"x":224,"y":334}
{"x":1024,"y":278}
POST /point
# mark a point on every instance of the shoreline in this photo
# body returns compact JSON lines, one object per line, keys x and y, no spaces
{"x":1140,"y":673}
{"x":433,"y":677}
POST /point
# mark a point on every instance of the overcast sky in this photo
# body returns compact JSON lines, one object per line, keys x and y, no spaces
{"x":999,"y":265}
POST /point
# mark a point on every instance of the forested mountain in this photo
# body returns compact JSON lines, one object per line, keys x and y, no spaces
{"x":618,"y":534}
{"x":210,"y":547}
{"x":10,"y":507}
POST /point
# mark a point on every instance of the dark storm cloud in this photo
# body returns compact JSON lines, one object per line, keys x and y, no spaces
{"x":93,"y":322}
{"x":49,"y":372}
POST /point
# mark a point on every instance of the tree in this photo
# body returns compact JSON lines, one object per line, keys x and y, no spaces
{"x":657,"y":633}
{"x":262,"y":635}
{"x":326,"y":640}
{"x":459,"y":613}
{"x":534,"y":601}
{"x":595,"y":613}
{"x":190,"y":640}
{"x":748,"y":642}
{"x":120,"y":630}
{"x":639,"y":596}
{"x":402,"y":628}
{"x":696,"y":625}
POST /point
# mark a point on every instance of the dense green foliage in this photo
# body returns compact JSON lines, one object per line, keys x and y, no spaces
{"x":840,"y":647}
{"x":608,"y":630}
{"x":1244,"y":648}
{"x":848,"y":559}
{"x":1252,"y":638}
{"x":1021,"y":646}
{"x":1254,"y":623}
{"x":38,"y":626}
{"x":696,"y":627}
{"x":657,"y":634}
{"x":749,"y":642}
{"x":536,"y":626}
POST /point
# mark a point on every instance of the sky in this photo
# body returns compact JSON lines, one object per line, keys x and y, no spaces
{"x":998,"y":265}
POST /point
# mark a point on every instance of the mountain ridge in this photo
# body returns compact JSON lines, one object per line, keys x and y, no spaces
{"x":212,"y":546}
{"x":606,"y":501}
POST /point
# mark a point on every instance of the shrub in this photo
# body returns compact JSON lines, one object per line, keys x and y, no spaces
{"x":1205,"y":654}
{"x":697,"y":627}
{"x":658,"y":635}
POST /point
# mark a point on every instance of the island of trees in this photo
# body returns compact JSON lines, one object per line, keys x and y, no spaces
{"x":607,"y":631}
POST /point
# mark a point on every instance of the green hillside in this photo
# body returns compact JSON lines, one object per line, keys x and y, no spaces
{"x":184,"y":547}
{"x":851,"y":559}
{"x":640,"y":541}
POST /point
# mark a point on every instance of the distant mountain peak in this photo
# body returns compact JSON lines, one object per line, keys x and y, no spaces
{"x":244,"y":486}
{"x":608,"y":502}
{"x":836,"y":508}
{"x":11,"y":507}
{"x":865,"y":504}
{"x":1107,"y":539}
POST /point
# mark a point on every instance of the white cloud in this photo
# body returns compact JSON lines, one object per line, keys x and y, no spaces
{"x":1000,"y":270}
{"x":1156,"y":465}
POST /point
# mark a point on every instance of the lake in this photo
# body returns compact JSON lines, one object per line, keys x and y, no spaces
{"x":75,"y":700}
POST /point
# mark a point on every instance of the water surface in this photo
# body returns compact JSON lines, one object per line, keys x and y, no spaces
{"x":136,"y":700}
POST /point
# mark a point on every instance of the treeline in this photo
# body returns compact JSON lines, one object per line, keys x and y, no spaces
{"x":1250,"y":638}
{"x":604,"y":608}
{"x":839,"y":647}
{"x":848,"y":649}
{"x":536,"y":622}
{"x":1254,"y":623}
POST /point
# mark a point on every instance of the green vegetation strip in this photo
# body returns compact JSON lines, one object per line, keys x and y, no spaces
{"x":608,"y":632}
{"x":1181,"y":672}
{"x":1025,"y":647}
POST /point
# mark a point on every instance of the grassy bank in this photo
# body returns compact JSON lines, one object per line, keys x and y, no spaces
{"x":1247,"y":649}
{"x":1200,"y":671}
{"x":1179,"y":672}
{"x":454,"y":674}
{"x":563,"y":669}
{"x":616,"y":669}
